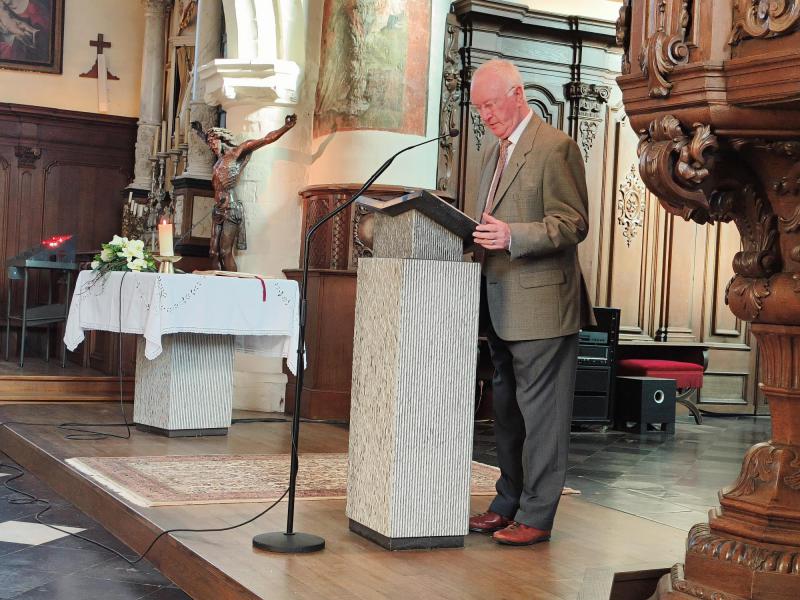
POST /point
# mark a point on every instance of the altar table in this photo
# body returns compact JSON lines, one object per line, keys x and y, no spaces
{"x":190,"y":326}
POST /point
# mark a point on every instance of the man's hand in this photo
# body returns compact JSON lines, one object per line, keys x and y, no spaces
{"x":492,"y":234}
{"x":290,"y":121}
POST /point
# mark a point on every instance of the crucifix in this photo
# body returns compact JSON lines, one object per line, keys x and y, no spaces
{"x":100,"y":72}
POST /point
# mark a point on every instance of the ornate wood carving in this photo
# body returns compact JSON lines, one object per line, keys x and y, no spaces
{"x":739,"y":163}
{"x":587,"y":99}
{"x":704,"y":542}
{"x":451,"y":103}
{"x":770,"y":464}
{"x":630,"y":205}
{"x":764,"y":18}
{"x":478,"y":128}
{"x":664,"y":50}
{"x":27,"y":156}
{"x":751,"y":292}
{"x":679,"y":584}
{"x":675,"y":165}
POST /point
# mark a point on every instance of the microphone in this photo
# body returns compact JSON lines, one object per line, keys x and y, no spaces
{"x":450,"y":133}
{"x":292,"y":541}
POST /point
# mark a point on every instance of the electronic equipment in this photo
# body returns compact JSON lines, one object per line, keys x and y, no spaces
{"x":594,"y":379}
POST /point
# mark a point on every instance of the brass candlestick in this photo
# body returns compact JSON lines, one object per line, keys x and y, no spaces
{"x":165,"y":263}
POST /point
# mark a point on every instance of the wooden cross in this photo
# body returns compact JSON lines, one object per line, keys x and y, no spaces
{"x":100,"y":44}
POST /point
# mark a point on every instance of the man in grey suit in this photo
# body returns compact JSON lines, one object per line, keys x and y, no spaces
{"x":532,"y":205}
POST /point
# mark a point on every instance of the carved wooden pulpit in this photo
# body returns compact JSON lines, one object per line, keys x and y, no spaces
{"x":713,"y":90}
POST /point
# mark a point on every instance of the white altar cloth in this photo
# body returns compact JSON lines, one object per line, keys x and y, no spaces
{"x":263,"y":314}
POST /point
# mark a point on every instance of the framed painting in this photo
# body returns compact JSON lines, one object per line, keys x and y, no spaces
{"x":31,"y":35}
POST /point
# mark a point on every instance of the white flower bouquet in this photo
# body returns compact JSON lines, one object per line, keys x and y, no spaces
{"x":122,"y":254}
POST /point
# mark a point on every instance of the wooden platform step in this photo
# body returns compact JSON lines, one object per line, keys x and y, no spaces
{"x":64,"y":388}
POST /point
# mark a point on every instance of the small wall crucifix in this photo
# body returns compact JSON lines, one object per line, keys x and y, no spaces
{"x":100,"y":72}
{"x":100,"y":44}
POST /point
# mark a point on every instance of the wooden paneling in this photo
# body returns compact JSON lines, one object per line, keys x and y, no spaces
{"x":62,"y":172}
{"x":627,"y":264}
{"x":667,"y":275}
{"x":329,"y":345}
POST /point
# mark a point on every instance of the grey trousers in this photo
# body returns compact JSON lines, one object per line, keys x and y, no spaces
{"x":532,"y":393}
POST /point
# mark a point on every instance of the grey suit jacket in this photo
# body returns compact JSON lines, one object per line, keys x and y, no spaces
{"x":535,"y":291}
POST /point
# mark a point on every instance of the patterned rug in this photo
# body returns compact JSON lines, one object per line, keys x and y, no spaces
{"x":214,"y":479}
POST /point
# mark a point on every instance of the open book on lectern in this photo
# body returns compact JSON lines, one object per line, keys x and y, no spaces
{"x":430,"y":205}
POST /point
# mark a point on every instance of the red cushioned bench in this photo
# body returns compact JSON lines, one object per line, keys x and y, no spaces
{"x":688,"y":377}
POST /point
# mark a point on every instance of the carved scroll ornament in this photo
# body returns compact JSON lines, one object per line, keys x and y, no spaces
{"x":764,"y":18}
{"x":664,"y":50}
{"x":674,"y":165}
{"x":678,"y":169}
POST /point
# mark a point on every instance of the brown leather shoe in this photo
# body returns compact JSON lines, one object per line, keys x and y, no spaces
{"x":517,"y":534}
{"x":488,"y":522}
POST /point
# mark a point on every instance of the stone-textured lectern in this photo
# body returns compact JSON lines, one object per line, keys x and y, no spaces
{"x":414,"y":360}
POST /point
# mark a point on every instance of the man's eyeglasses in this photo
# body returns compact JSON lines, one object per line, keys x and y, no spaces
{"x":490,"y":105}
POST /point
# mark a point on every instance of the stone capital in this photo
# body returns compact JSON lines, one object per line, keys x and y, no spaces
{"x":156,"y":6}
{"x":230,"y":81}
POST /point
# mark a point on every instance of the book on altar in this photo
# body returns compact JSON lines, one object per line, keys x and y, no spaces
{"x":229,"y":274}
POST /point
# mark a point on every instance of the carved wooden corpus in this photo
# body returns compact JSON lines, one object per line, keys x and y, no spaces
{"x":712,"y":159}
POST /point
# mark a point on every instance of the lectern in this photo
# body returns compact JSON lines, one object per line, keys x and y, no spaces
{"x":414,"y":361}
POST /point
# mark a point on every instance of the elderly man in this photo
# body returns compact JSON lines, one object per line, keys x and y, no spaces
{"x":532,"y":205}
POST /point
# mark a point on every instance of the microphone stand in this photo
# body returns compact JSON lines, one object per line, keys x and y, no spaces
{"x":290,"y":541}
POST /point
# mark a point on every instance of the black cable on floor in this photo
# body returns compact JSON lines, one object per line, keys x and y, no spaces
{"x":28,"y":498}
{"x":81,"y":434}
{"x":77,"y":429}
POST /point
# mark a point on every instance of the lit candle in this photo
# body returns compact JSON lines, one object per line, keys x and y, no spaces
{"x":165,"y":238}
{"x":130,"y":200}
{"x":163,"y":136}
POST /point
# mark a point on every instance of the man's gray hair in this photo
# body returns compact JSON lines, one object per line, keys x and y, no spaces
{"x":504,"y":69}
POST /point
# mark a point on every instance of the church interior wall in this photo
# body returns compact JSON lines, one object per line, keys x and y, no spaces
{"x":122,"y":24}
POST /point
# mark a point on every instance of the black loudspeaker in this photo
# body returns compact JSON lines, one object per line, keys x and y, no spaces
{"x":645,"y":400}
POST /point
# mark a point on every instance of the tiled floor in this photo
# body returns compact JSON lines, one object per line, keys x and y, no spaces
{"x":37,"y":562}
{"x":670,"y":479}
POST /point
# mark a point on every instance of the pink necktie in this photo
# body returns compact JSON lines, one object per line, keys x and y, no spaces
{"x":498,"y":173}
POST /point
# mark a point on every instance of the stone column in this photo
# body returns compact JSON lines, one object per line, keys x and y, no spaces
{"x":152,"y":90}
{"x":208,"y":35}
